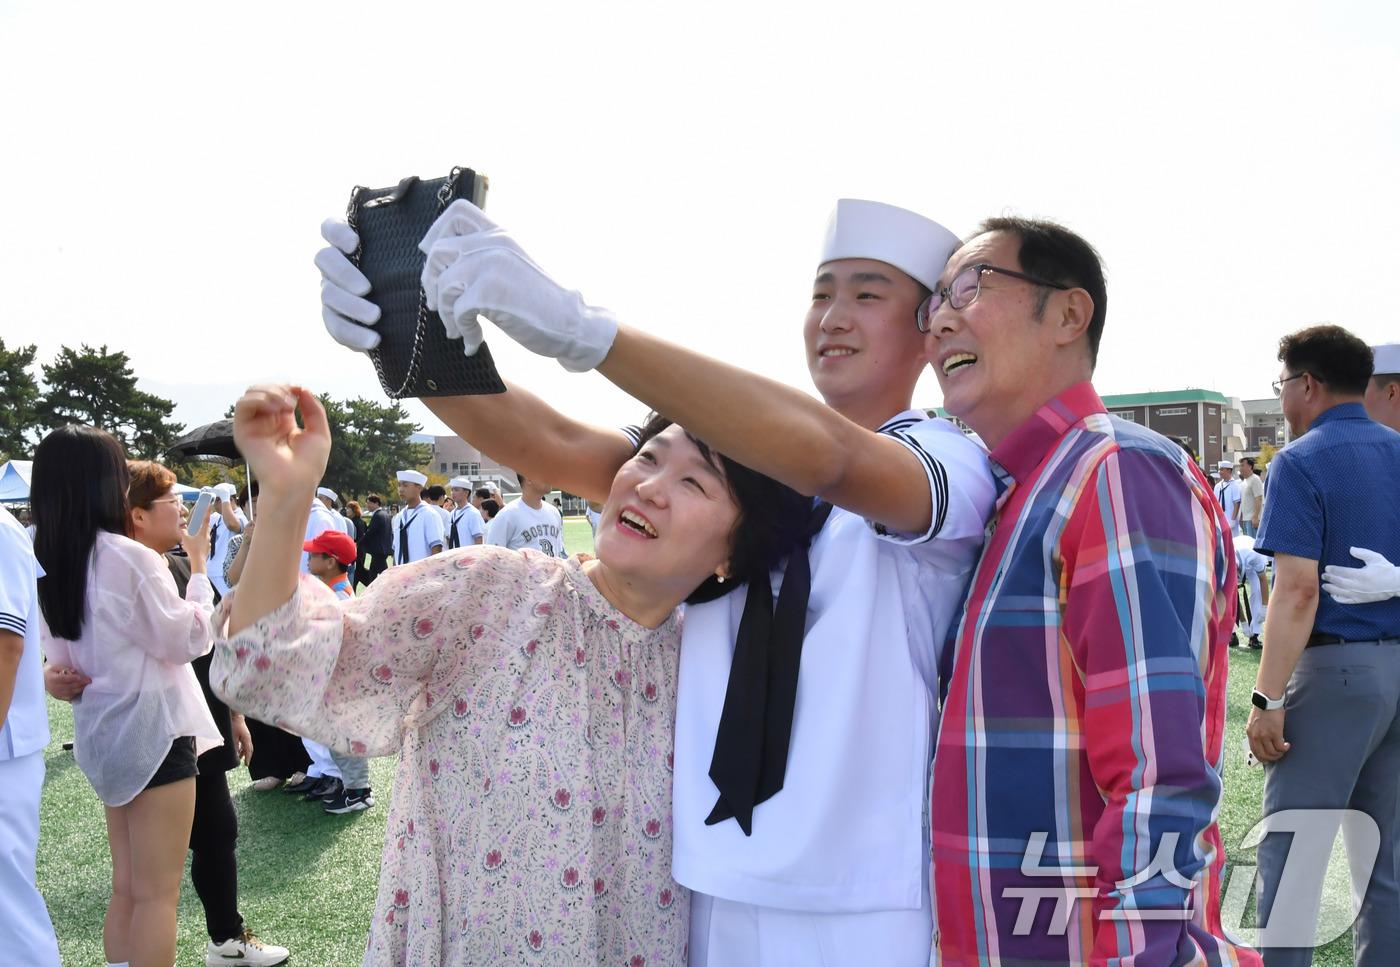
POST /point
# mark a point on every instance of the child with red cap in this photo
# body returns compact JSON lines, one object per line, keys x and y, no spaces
{"x":329,"y":556}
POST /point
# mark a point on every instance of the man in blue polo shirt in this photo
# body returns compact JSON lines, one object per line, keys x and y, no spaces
{"x":1328,"y":688}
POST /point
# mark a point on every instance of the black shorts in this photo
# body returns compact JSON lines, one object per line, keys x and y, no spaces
{"x":179,"y":764}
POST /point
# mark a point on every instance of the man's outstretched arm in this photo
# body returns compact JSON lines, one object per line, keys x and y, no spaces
{"x":531,"y":437}
{"x":774,"y":429}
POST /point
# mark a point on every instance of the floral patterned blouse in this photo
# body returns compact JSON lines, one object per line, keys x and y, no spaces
{"x":531,"y":813}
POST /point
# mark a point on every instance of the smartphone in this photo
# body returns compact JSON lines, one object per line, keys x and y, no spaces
{"x":1249,"y":757}
{"x":200,"y":512}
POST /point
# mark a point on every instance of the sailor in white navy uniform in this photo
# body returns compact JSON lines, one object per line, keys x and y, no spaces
{"x":226,"y":518}
{"x":821,"y":857}
{"x":344,"y":524}
{"x":26,"y":933}
{"x":418,"y":531}
{"x":465,"y":526}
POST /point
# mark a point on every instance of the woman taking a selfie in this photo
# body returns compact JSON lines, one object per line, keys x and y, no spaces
{"x":111,"y":612}
{"x":531,"y":699}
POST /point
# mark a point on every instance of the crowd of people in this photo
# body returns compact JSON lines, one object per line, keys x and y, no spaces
{"x":924,"y":681}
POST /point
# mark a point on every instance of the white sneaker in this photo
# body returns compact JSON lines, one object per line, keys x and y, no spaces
{"x":246,"y":949}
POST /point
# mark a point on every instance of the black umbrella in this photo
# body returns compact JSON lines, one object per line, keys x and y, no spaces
{"x":211,"y":440}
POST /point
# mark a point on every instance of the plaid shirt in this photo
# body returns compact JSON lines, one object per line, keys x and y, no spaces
{"x":1083,"y":724}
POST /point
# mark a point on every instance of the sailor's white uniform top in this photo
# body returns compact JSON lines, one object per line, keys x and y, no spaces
{"x":469,"y":525}
{"x":445,"y":516}
{"x":346,"y":525}
{"x":322,"y":519}
{"x":847,"y":833}
{"x":218,"y":548}
{"x":423,"y":527}
{"x":26,"y":728}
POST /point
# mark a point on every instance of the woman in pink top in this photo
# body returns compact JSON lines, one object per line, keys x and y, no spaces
{"x":531,"y":699}
{"x":111,"y":612}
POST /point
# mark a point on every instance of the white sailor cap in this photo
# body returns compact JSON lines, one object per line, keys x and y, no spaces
{"x":462,"y":482}
{"x":413,"y":476}
{"x":1387,"y":358}
{"x":1225,"y":465}
{"x":326,"y":492}
{"x":917,"y":246}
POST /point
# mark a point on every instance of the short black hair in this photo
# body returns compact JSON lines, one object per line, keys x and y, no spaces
{"x":435,"y":492}
{"x":492,"y":505}
{"x":1248,"y":460}
{"x":1056,"y":254}
{"x":772,"y":520}
{"x":521,"y":478}
{"x":78,"y":486}
{"x":482,"y":492}
{"x":374,"y":499}
{"x":1331,"y":355}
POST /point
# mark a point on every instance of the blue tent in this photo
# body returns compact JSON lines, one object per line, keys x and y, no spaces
{"x":14,"y":483}
{"x":14,"y":480}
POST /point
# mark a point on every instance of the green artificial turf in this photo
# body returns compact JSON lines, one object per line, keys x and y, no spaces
{"x":307,"y":879}
{"x":1243,"y":799}
{"x":578,"y":535}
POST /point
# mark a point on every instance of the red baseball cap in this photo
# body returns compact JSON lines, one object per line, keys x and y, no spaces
{"x":334,"y":543}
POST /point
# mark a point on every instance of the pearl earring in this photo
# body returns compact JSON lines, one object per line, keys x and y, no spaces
{"x":721,"y":578}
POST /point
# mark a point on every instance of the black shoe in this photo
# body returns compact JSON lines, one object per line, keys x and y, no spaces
{"x":1235,"y":639}
{"x":303,"y":787}
{"x":1254,"y":642}
{"x":349,"y":801}
{"x":327,"y":787}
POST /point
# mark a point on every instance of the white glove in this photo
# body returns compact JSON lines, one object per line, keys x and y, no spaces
{"x":475,"y":267}
{"x":1377,"y":581}
{"x":347,"y":315}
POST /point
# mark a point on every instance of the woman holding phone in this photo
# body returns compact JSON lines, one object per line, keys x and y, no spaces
{"x":111,"y":612}
{"x":531,"y":699}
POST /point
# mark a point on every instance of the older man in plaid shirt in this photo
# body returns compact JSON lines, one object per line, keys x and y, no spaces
{"x":1076,"y":781}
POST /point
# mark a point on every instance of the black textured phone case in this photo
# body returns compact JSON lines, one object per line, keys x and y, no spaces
{"x":415,"y":357}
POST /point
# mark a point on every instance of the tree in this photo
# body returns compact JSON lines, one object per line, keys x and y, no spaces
{"x":19,"y":392}
{"x":98,"y":388}
{"x":1266,"y":453}
{"x":369,"y":443}
{"x":204,"y":473}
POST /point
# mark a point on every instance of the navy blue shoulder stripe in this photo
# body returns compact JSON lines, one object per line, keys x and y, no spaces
{"x":937,"y":474}
{"x":12,"y":622}
{"x":903,"y":423}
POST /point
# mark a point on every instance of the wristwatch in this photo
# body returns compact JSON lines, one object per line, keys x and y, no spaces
{"x":1263,"y":701}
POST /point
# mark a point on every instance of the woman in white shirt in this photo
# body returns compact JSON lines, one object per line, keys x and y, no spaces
{"x":111,"y":612}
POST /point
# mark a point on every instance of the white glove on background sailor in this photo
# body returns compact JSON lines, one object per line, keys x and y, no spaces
{"x":473,"y":266}
{"x":1376,"y":581}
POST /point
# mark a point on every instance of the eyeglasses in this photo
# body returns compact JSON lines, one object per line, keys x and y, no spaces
{"x":966,"y":287}
{"x":1278,"y":383}
{"x":172,"y":499}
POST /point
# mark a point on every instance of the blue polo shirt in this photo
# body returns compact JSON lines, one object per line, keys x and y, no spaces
{"x":1334,"y":488}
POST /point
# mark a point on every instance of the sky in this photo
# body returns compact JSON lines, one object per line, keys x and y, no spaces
{"x":169,"y":165}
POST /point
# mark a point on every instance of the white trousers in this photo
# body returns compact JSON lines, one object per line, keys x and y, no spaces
{"x":728,"y":934}
{"x":322,"y":763}
{"x":26,"y":933}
